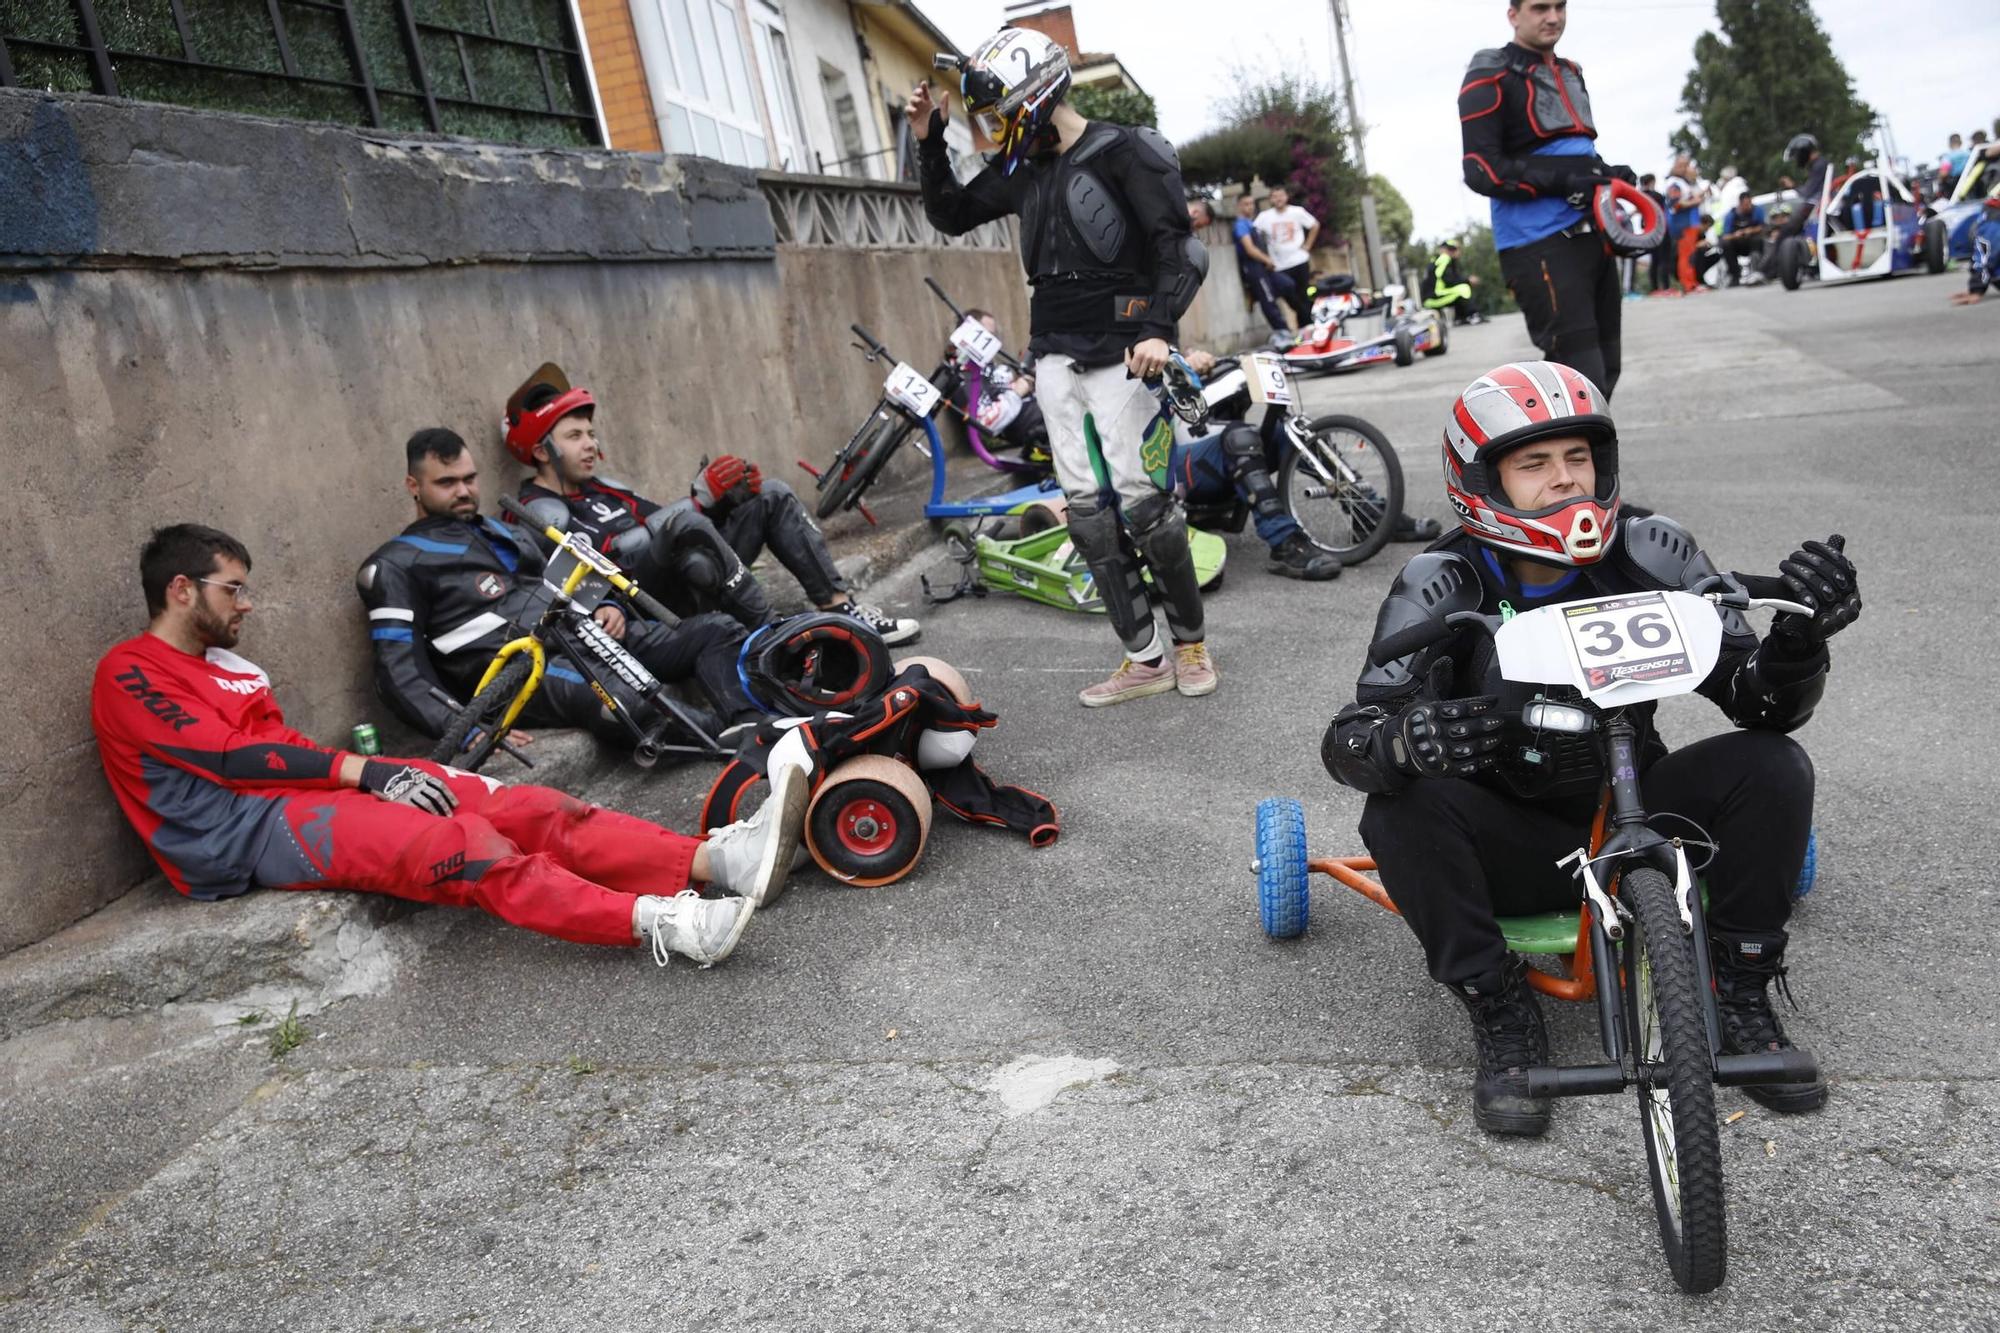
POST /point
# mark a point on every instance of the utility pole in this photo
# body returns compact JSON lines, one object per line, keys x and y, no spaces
{"x":1370,"y":230}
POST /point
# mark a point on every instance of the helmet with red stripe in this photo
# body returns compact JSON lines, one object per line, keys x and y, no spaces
{"x":536,"y":407}
{"x":1518,"y":404}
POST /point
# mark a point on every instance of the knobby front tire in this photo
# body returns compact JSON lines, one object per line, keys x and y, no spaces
{"x":482,"y":714}
{"x":1664,"y":1013}
{"x":863,"y":462}
{"x":1355,"y":518}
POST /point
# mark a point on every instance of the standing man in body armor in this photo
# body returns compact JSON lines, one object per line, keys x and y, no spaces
{"x":1530,"y":146}
{"x":1113,"y":265}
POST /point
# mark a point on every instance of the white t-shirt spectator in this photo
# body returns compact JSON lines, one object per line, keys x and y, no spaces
{"x":1285,"y":231}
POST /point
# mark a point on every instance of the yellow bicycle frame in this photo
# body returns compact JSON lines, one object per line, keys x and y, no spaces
{"x":586,"y":563}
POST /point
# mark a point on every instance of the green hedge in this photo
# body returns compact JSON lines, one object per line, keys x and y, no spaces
{"x":239,"y":34}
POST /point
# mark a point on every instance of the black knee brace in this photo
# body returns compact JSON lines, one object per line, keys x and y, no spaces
{"x":1243,"y":446}
{"x":1159,"y":529}
{"x":1102,"y":544}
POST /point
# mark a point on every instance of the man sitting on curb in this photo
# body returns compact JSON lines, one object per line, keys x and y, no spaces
{"x":1449,"y":287}
{"x":445,"y":593}
{"x":228,"y":798}
{"x":693,"y":554}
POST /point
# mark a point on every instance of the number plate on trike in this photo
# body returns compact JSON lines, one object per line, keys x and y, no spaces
{"x":910,"y":388}
{"x":979,"y":343}
{"x":1619,"y":649}
{"x":1269,"y":384}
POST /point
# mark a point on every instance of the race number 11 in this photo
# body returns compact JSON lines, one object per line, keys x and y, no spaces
{"x":1626,"y":638}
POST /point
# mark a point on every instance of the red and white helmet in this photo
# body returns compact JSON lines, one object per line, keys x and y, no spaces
{"x":1518,"y":404}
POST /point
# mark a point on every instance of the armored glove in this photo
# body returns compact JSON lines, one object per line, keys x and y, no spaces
{"x":1818,"y":575}
{"x":719,"y":479}
{"x":402,"y":785}
{"x":1445,"y":738}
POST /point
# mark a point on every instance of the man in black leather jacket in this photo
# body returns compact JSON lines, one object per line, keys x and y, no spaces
{"x":447,"y":591}
{"x":693,"y":554}
{"x":1113,"y":264}
{"x":1463,"y":827}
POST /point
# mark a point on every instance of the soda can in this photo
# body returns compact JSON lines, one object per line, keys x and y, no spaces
{"x":366,"y":742}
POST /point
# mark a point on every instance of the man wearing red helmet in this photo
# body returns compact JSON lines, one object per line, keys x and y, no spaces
{"x":693,"y":554}
{"x":447,"y":591}
{"x":1462,"y":828}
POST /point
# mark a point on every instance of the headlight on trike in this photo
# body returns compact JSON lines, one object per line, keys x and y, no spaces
{"x":1542,"y":715}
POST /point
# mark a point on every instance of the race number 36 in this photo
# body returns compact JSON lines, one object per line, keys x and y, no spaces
{"x":979,"y":343}
{"x":1269,"y":384}
{"x":1627,"y":638}
{"x":912,"y":389}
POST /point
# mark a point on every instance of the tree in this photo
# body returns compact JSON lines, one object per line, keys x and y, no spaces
{"x":1290,"y":131}
{"x":1392,"y":212}
{"x":1116,"y":105}
{"x":1770,"y":74}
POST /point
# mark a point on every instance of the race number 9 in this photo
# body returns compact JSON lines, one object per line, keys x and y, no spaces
{"x":1268,"y":383}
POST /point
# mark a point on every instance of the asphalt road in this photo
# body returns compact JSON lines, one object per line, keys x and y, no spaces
{"x":1077,"y":1088}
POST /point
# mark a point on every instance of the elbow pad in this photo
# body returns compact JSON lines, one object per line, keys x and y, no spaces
{"x":549,"y":512}
{"x":1189,"y":276}
{"x":1351,"y":751}
{"x":1760,"y":703}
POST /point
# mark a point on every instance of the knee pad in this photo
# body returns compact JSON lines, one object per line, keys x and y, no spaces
{"x":700,"y":569}
{"x":1094,"y":529}
{"x":1153,"y":515}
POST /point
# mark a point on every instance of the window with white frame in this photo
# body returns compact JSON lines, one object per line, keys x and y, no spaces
{"x":781,"y":87}
{"x":700,"y":79}
{"x":846,"y":118}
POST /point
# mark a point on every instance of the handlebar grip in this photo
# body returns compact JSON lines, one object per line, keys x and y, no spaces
{"x":938,"y":291}
{"x":520,"y":511}
{"x":650,"y":605}
{"x":1404,"y":642}
{"x":874,"y":344}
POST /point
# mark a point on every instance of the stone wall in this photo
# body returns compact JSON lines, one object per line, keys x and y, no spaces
{"x":238,"y":321}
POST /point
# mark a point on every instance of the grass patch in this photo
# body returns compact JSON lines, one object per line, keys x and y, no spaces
{"x":287,"y":1036}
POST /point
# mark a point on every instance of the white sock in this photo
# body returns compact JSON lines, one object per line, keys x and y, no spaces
{"x":1152,"y":654}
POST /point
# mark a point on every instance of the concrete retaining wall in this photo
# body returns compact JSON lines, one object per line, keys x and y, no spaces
{"x":164,"y":359}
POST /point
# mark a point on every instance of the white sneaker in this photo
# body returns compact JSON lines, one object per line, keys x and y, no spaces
{"x":752,"y":857}
{"x":702,"y":929}
{"x":892,"y":629}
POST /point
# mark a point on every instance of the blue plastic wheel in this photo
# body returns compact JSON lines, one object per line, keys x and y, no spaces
{"x":1282,"y":900}
{"x":1811,"y":866}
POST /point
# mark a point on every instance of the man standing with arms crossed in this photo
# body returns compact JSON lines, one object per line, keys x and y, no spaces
{"x":1290,"y":232}
{"x":1530,"y":146}
{"x":1113,"y":265}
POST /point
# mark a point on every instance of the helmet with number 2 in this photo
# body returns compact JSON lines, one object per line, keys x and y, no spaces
{"x":1518,"y":404}
{"x":1012,"y":85}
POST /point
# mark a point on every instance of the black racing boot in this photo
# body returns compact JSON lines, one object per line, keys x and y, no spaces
{"x":1745,"y":965}
{"x":1297,"y":558}
{"x":1407,"y":529}
{"x":1507,"y":1023}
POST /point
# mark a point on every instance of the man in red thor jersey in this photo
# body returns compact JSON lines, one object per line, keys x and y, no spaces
{"x":228,"y":798}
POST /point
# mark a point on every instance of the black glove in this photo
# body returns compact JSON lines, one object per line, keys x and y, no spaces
{"x":1818,"y":575}
{"x":1623,"y":173}
{"x":402,"y":785}
{"x":1445,"y":738}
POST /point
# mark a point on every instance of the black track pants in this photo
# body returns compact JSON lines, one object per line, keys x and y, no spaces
{"x":1454,"y":854}
{"x":1567,"y":288}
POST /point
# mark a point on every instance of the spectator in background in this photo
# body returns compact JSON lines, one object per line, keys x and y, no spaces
{"x":1733,"y":187}
{"x":1289,"y":233}
{"x":1449,"y":287}
{"x":1950,"y":165}
{"x":1743,"y":235}
{"x":1261,"y":282}
{"x":1658,"y":263}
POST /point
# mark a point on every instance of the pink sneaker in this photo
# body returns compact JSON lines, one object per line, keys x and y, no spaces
{"x":1193,"y":672}
{"x":1130,"y":681}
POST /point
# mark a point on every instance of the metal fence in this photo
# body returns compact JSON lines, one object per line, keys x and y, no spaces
{"x":835,"y":211}
{"x":510,"y":71}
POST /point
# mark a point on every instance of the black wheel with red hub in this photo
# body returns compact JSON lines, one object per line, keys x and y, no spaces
{"x":869,"y":821}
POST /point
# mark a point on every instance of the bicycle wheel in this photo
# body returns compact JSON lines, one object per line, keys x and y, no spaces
{"x":1351,"y":509}
{"x":1663,"y":1009}
{"x":856,"y":469}
{"x":472,"y":736}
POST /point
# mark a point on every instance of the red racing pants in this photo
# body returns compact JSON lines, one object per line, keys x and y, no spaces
{"x":531,"y":856}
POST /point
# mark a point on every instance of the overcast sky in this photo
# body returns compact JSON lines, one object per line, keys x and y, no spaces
{"x":1928,"y":65}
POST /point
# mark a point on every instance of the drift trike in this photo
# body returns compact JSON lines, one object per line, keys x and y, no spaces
{"x":1637,"y":942}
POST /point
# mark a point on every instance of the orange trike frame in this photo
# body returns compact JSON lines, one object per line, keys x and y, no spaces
{"x":1580,"y":984}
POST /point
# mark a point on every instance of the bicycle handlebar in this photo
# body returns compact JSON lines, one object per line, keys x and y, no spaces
{"x":571,"y":542}
{"x":939,"y":292}
{"x":874,"y":345}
